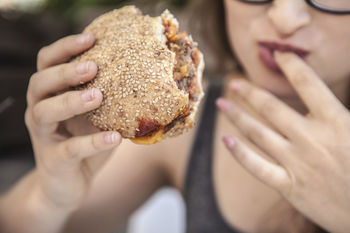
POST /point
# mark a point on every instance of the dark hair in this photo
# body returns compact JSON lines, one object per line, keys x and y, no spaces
{"x":207,"y":29}
{"x":209,"y":26}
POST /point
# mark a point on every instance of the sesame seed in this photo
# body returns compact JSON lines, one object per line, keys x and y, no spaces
{"x":126,"y":68}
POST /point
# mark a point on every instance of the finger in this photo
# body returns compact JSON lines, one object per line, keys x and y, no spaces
{"x":62,"y":50}
{"x":58,"y":78}
{"x":78,"y":148}
{"x":262,"y":136}
{"x":65,"y":106}
{"x":319,"y":99}
{"x":269,"y":107}
{"x":271,"y":174}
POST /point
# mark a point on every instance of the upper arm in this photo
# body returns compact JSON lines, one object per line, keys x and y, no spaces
{"x":131,"y":175}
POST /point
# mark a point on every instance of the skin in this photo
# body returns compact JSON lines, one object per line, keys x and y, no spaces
{"x":314,"y":144}
{"x":292,"y":22}
{"x":84,"y":179}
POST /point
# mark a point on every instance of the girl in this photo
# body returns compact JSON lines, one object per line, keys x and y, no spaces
{"x":283,"y":166}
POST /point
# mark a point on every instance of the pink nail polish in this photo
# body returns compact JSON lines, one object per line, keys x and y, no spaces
{"x":111,"y":138}
{"x":223,"y":104}
{"x":82,"y":67}
{"x":88,"y":95}
{"x":81,"y":39}
{"x":229,"y":142}
{"x":236,"y":86}
{"x":85,"y":38}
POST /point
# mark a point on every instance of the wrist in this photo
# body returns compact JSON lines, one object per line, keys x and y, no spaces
{"x":48,"y":216}
{"x":38,"y":202}
{"x":24,"y":208}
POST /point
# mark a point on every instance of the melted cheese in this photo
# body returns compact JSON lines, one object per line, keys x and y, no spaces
{"x":157,"y":137}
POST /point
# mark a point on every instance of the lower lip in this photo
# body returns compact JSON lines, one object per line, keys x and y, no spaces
{"x":266,"y":56}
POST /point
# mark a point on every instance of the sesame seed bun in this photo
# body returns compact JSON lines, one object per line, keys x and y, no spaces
{"x":149,"y":73}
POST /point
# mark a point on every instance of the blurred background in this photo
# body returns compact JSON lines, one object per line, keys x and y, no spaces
{"x":25,"y":27}
{"x":28,"y":25}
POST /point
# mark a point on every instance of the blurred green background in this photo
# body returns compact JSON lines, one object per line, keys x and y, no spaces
{"x":67,"y":9}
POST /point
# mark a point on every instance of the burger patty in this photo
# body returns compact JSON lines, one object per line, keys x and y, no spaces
{"x":148,"y":128}
{"x":185,"y":76}
{"x":187,"y":59}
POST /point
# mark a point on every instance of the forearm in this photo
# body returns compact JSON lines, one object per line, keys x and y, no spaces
{"x":24,"y":209}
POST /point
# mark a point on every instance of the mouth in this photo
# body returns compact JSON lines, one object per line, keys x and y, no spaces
{"x":266,"y":50}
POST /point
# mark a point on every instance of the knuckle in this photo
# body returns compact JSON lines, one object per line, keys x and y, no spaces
{"x":67,"y":44}
{"x":32,"y":79}
{"x":37,"y":115}
{"x":267,"y":106}
{"x":235,"y":115}
{"x":286,"y":187}
{"x":256,"y":134}
{"x":249,"y":92}
{"x":71,"y":150}
{"x":95,"y":143}
{"x":31,"y":87}
{"x":262,"y":172}
{"x":29,"y":96}
{"x":240,"y":153}
{"x":67,"y":102}
{"x":62,"y":72}
{"x":28,"y":118}
{"x":70,"y":104}
{"x":41,"y":57}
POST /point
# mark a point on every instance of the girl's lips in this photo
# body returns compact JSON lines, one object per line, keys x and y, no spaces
{"x":266,"y":50}
{"x":266,"y":57}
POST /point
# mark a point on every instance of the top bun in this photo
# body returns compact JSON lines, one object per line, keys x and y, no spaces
{"x":136,"y":70}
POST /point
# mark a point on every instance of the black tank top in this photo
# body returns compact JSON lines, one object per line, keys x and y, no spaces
{"x":203,"y":215}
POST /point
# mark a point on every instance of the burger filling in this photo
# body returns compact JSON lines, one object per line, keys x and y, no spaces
{"x":185,"y":75}
{"x":187,"y":60}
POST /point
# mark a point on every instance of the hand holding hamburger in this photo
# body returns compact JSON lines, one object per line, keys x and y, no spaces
{"x":149,"y":74}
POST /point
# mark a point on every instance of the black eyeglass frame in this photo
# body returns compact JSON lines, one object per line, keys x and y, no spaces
{"x":309,"y":2}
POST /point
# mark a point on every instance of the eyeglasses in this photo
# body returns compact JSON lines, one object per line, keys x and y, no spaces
{"x":328,"y":6}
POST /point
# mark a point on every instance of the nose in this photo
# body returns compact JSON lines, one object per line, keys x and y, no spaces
{"x":288,"y":16}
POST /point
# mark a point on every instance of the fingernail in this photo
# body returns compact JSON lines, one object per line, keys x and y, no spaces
{"x":90,"y":95}
{"x":82,"y":68}
{"x":111,"y":138}
{"x":223,"y":104}
{"x":229,"y":142}
{"x":85,"y":67}
{"x":237,"y":86}
{"x":85,"y":38}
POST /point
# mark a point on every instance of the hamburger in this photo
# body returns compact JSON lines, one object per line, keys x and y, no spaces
{"x":149,"y":73}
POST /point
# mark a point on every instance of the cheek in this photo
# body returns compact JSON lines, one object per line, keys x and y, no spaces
{"x":331,"y":59}
{"x":325,"y":35}
{"x":242,"y":37}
